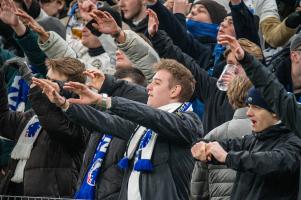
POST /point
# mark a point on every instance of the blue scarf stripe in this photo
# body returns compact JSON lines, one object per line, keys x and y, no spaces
{"x":87,"y":189}
{"x":218,"y":52}
{"x":201,"y":29}
{"x":145,"y":164}
{"x":17,"y":93}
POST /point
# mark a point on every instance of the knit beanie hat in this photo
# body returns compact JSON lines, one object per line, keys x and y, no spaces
{"x":53,"y":24}
{"x":255,"y":98}
{"x":296,"y":42}
{"x":115,"y":14}
{"x":216,"y":11}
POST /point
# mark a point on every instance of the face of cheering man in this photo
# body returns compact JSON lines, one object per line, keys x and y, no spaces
{"x":199,"y":13}
{"x":162,"y":91}
{"x":226,"y":27}
{"x":261,"y":118}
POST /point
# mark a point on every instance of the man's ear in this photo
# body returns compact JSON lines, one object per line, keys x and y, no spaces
{"x":61,"y":4}
{"x":275,"y":116}
{"x":176,"y":91}
{"x":294,"y":56}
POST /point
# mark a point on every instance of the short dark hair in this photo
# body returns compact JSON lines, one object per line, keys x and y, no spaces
{"x":70,"y":67}
{"x":133,"y":73}
{"x":180,"y":76}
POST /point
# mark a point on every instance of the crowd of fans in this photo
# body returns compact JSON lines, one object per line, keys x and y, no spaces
{"x":150,"y":100}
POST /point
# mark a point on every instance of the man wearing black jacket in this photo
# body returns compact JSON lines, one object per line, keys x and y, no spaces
{"x":158,"y":162}
{"x":267,"y":162}
{"x":283,"y":103}
{"x":54,"y":157}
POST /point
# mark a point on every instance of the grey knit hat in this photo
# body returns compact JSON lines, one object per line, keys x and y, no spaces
{"x":296,"y":42}
{"x":53,"y":24}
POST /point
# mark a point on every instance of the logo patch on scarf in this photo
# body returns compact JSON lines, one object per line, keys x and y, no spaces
{"x":92,"y":172}
{"x":32,"y":129}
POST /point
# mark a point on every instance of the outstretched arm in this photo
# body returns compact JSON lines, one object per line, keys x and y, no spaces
{"x":283,"y":103}
{"x":181,"y":128}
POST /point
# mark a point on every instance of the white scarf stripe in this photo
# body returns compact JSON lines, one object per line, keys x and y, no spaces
{"x":24,"y":146}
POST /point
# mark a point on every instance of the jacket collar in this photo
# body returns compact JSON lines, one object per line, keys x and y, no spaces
{"x":240,"y":113}
{"x":96,"y":51}
{"x":273,"y":131}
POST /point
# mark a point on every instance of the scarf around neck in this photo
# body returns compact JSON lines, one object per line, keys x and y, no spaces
{"x":142,"y":142}
{"x":201,"y":29}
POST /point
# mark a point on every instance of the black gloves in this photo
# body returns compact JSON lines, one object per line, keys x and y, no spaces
{"x":20,"y":64}
{"x":293,"y":20}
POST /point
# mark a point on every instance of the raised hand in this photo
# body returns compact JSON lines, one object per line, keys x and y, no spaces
{"x":181,"y":6}
{"x":33,"y":24}
{"x":97,"y":78}
{"x":7,"y":13}
{"x":105,"y":22}
{"x":85,"y":8}
{"x":53,"y":84}
{"x":227,"y":40}
{"x":50,"y":91}
{"x":86,"y":96}
{"x":22,"y":67}
{"x":228,"y":77}
{"x":153,"y":22}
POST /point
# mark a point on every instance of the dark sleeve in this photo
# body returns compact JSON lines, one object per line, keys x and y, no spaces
{"x":10,"y":121}
{"x":181,"y":18}
{"x":283,"y":158}
{"x":283,"y":103}
{"x":179,"y":35}
{"x":180,"y":128}
{"x":244,"y":23}
{"x":100,"y":121}
{"x":121,"y":88}
{"x":236,"y":144}
{"x":205,"y":85}
{"x":56,"y":123}
{"x":29,"y":44}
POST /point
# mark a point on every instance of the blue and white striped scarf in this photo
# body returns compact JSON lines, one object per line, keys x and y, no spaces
{"x":87,"y":189}
{"x":23,"y":148}
{"x":17,"y":94}
{"x":143,"y":141}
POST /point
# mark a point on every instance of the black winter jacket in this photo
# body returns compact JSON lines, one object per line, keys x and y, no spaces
{"x":109,"y":180}
{"x":283,"y":103}
{"x":267,"y":164}
{"x":194,"y":47}
{"x":245,"y":27}
{"x":55,"y":160}
{"x":171,"y":158}
{"x":215,"y":100}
